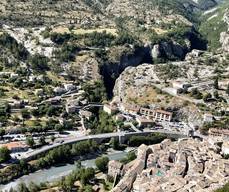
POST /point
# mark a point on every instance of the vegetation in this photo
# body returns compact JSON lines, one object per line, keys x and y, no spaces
{"x":225,"y":188}
{"x":136,"y":141}
{"x":101,"y":123}
{"x":39,"y":63}
{"x":216,"y":23}
{"x":169,"y":71}
{"x":60,"y":154}
{"x":84,"y":175}
{"x":4,"y":154}
{"x":219,"y":124}
{"x":101,"y":163}
{"x":30,"y":141}
{"x":130,"y":157}
{"x":18,"y":51}
{"x":95,"y":92}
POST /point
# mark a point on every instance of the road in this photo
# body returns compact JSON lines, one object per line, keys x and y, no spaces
{"x":98,"y":136}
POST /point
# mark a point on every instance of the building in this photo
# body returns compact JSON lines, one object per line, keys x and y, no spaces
{"x":14,"y":75}
{"x":17,"y":104}
{"x":161,"y":115}
{"x":218,"y":132}
{"x":143,"y":122}
{"x":54,"y":100}
{"x":133,"y":109}
{"x":120,"y":117}
{"x":156,"y":115}
{"x":86,"y":114}
{"x":225,"y":148}
{"x":59,"y":90}
{"x":181,"y":85}
{"x":72,"y":105}
{"x":110,"y":109}
{"x":69,"y":87}
{"x":16,"y":146}
{"x":208,"y":118}
{"x":70,"y":108}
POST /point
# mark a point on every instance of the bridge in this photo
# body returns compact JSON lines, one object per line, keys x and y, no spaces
{"x":122,"y":136}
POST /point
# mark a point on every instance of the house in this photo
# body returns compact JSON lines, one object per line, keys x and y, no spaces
{"x":72,"y":106}
{"x":144,"y":122}
{"x":69,"y":87}
{"x":130,"y":108}
{"x":13,"y":75}
{"x":17,"y":104}
{"x":59,"y":90}
{"x":110,"y":109}
{"x":208,"y":118}
{"x":181,"y":85}
{"x":84,"y":102}
{"x":16,"y":146}
{"x":218,"y":132}
{"x":54,"y":100}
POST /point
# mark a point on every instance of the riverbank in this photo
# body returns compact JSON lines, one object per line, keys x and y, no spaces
{"x":55,"y":173}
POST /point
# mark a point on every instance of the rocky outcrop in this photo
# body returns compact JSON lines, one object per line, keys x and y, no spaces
{"x":169,"y":50}
{"x":135,"y":80}
{"x":224,"y":36}
{"x":111,"y":69}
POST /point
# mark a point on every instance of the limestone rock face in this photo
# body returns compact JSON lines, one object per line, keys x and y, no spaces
{"x":224,"y":36}
{"x":170,"y":50}
{"x":155,"y":51}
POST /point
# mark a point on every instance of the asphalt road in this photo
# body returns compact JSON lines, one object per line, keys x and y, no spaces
{"x":98,"y":136}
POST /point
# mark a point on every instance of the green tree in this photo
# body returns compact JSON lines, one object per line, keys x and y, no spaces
{"x":86,"y":175}
{"x":42,"y":140}
{"x":4,"y":154}
{"x":2,"y":132}
{"x":216,"y":94}
{"x":30,"y":141}
{"x":53,"y":138}
{"x":115,"y":144}
{"x":39,"y":63}
{"x":227,"y":90}
{"x":59,"y":127}
{"x":101,"y":163}
{"x":216,"y":83}
{"x":25,"y":113}
{"x":88,"y":188}
{"x":130,"y":157}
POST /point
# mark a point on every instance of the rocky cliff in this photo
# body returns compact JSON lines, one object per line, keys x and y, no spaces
{"x":224,"y":36}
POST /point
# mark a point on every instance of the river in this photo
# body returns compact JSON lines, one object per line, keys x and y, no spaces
{"x":55,"y":173}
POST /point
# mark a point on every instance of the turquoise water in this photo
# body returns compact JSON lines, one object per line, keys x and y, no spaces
{"x":55,"y":173}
